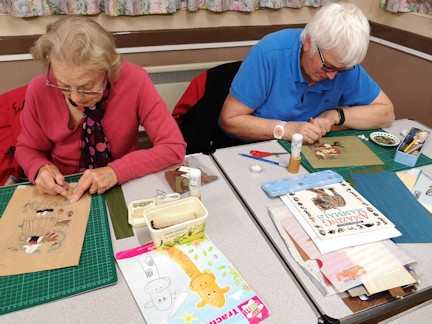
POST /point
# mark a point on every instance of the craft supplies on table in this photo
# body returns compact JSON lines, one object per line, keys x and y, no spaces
{"x":176,"y":222}
{"x":96,"y":268}
{"x":295,"y":158}
{"x":265,"y":160}
{"x":386,"y":154}
{"x":302,"y":182}
{"x":411,"y":147}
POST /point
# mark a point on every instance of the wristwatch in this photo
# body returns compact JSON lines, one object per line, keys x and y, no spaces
{"x":279,"y":131}
{"x":341,"y":116}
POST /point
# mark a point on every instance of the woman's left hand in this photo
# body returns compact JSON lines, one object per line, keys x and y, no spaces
{"x":96,"y":181}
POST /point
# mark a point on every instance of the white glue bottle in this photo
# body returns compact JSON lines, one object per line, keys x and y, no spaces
{"x":195,"y":183}
{"x":295,"y":159}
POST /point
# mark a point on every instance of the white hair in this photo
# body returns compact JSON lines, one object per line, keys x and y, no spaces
{"x":341,"y":27}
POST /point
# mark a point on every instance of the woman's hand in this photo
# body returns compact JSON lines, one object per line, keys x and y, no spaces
{"x":51,"y":184}
{"x":96,"y":181}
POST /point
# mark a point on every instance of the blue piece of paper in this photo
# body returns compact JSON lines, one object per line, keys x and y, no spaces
{"x":302,"y":182}
{"x":390,"y":196}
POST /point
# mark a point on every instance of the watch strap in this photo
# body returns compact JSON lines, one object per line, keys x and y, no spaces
{"x":281,"y":127}
{"x":341,"y":116}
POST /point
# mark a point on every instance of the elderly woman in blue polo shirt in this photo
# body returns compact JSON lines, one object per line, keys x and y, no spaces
{"x":294,"y":74}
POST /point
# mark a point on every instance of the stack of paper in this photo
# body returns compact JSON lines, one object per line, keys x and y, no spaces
{"x":342,"y":242}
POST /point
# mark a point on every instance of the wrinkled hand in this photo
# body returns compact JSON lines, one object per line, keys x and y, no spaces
{"x":327,"y":119}
{"x":311,"y":133}
{"x":96,"y":181}
{"x":46,"y":183}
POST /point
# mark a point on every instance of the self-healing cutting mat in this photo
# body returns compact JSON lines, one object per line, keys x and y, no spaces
{"x":96,"y":267}
{"x":386,"y":154}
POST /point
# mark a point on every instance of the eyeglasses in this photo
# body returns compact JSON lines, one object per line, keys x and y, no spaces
{"x":82,"y":92}
{"x":329,"y":69}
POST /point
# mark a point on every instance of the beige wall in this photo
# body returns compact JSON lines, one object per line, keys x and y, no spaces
{"x":412,"y":22}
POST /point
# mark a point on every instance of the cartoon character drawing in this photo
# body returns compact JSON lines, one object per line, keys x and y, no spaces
{"x":325,"y":201}
{"x":156,"y":287}
{"x":42,"y":228}
{"x":204,"y":284}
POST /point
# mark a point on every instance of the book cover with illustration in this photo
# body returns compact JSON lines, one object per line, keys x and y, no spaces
{"x":338,"y":210}
{"x":189,"y":284}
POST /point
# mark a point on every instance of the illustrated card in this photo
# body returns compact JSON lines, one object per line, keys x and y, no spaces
{"x":340,"y":151}
{"x":189,"y":283}
{"x":41,"y":232}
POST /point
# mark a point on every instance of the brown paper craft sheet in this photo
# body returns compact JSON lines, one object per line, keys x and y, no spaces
{"x":341,"y":151}
{"x":180,"y":184}
{"x":355,"y":304}
{"x":41,"y":232}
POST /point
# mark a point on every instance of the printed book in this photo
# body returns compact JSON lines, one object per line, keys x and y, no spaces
{"x":189,"y":283}
{"x":338,"y":210}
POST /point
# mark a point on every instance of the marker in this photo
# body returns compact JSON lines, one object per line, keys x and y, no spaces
{"x":410,"y":144}
{"x":265,"y":160}
{"x":51,"y":171}
{"x":313,"y":123}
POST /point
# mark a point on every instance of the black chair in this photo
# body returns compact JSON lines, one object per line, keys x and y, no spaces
{"x":199,"y":125}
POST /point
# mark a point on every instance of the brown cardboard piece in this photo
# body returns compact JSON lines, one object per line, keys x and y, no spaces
{"x":41,"y":232}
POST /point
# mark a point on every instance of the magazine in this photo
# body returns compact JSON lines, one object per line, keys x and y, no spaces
{"x":189,"y":283}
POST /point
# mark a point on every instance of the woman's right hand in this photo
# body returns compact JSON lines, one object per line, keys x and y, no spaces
{"x":47,"y":183}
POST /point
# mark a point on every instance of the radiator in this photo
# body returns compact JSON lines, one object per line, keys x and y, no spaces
{"x":171,"y":81}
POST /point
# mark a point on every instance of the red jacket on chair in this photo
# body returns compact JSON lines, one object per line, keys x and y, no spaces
{"x":11,"y":105}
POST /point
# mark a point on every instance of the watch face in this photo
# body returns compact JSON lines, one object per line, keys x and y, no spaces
{"x":278,"y":132}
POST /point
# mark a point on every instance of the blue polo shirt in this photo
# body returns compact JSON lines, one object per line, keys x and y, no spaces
{"x":270,"y":82}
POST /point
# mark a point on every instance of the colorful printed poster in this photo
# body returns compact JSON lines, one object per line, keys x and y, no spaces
{"x":338,"y":210}
{"x":189,"y":283}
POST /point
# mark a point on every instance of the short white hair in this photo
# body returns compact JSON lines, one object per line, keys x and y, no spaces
{"x":341,"y":27}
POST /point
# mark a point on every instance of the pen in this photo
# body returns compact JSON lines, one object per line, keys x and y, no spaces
{"x":51,"y":171}
{"x":313,"y":123}
{"x":265,"y":160}
{"x":410,"y":144}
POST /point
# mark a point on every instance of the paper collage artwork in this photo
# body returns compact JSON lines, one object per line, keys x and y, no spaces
{"x":341,"y":151}
{"x":41,"y":232}
{"x":189,"y":283}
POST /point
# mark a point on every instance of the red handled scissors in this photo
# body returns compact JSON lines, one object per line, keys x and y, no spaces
{"x":260,"y":154}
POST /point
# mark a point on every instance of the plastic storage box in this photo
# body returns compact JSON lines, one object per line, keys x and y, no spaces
{"x":411,"y":147}
{"x":177,"y":222}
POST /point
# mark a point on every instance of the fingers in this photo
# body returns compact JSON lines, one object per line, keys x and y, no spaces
{"x":96,"y":181}
{"x":51,"y":181}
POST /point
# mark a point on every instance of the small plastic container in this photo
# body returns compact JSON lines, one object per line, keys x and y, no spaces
{"x":177,"y":222}
{"x":136,"y":211}
{"x":195,"y":183}
{"x":412,"y":153}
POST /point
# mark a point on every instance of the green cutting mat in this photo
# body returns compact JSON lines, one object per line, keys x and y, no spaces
{"x":386,"y":154}
{"x":96,"y":267}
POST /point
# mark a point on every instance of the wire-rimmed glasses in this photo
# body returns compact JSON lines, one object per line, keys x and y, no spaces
{"x":330,"y":69}
{"x":82,"y":92}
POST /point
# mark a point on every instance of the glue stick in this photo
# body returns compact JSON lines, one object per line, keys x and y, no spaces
{"x":195,"y":183}
{"x":295,"y":159}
